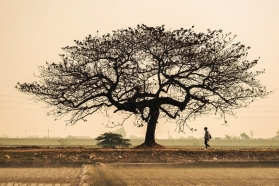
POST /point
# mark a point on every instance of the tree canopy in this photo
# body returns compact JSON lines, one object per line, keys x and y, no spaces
{"x":277,"y":135}
{"x":244,"y":136}
{"x":150,"y":72}
{"x":121,"y":131}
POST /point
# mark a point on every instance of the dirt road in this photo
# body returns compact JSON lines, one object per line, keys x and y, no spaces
{"x":140,"y":174}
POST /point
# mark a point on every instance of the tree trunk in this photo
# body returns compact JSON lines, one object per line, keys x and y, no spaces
{"x":151,"y":126}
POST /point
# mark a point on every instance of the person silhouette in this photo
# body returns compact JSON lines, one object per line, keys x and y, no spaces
{"x":207,"y":137}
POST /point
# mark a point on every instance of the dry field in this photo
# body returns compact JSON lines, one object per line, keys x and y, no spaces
{"x":85,"y":167}
{"x":40,"y":176}
{"x":138,"y":175}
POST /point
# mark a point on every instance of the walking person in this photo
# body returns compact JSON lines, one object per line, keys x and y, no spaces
{"x":207,"y":137}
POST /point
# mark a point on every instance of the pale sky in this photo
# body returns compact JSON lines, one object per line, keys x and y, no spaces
{"x":33,"y":32}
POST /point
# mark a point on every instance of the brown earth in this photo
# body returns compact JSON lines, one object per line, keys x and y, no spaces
{"x":45,"y":157}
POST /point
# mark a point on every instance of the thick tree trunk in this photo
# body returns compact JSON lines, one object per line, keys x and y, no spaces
{"x":151,"y":126}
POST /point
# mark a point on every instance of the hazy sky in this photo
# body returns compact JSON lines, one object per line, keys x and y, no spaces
{"x":33,"y":32}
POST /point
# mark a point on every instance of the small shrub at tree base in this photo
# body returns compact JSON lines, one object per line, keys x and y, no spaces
{"x":112,"y":140}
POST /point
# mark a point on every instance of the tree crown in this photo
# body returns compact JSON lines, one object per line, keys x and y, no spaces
{"x":179,"y":73}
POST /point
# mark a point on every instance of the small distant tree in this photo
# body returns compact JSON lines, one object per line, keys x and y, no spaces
{"x":135,"y":137}
{"x":112,"y":140}
{"x":121,"y":131}
{"x":234,"y":137}
{"x":228,"y":137}
{"x":277,"y":135}
{"x":63,"y":142}
{"x":244,"y":136}
{"x":70,"y":137}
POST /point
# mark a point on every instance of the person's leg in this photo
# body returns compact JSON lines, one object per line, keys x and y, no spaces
{"x":206,"y":143}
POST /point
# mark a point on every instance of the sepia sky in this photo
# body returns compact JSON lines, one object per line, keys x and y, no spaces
{"x":33,"y":32}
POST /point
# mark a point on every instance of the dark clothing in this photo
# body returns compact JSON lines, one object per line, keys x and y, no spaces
{"x":206,"y":143}
{"x":206,"y":135}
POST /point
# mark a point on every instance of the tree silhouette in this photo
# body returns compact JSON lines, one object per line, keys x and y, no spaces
{"x":276,"y":135}
{"x":149,"y":72}
{"x":63,"y":142}
{"x":244,"y":136}
{"x":228,"y":137}
{"x":112,"y":140}
{"x":121,"y":131}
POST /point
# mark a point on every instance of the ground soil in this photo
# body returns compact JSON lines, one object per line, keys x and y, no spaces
{"x":138,"y":174}
{"x":40,"y":157}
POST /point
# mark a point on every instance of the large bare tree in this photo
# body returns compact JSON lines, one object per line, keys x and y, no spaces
{"x":149,"y":72}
